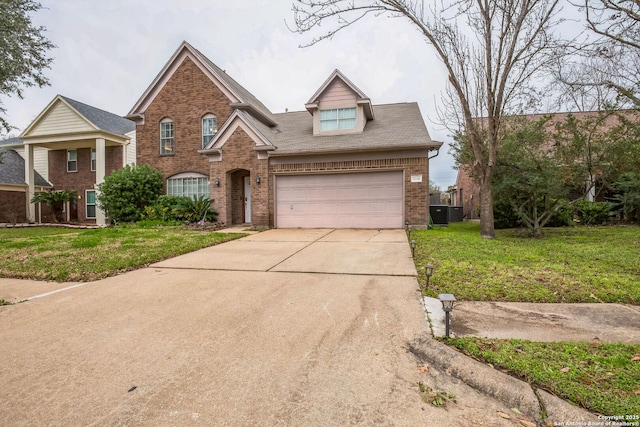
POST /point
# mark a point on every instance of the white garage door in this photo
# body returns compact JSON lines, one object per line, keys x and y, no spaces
{"x":350,"y":200}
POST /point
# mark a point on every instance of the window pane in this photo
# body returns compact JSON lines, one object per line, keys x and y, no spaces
{"x":347,"y":113}
{"x":328,"y":114}
{"x":347,"y":124}
{"x":188,"y":187}
{"x":91,"y":197}
{"x":328,"y":125}
{"x":72,"y":155}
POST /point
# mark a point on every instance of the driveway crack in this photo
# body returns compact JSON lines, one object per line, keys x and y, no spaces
{"x":299,"y":250}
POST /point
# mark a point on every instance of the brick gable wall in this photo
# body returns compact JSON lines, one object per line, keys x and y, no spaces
{"x":239,"y":159}
{"x":185,"y":98}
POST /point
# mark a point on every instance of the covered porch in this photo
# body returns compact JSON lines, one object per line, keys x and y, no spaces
{"x":83,"y":144}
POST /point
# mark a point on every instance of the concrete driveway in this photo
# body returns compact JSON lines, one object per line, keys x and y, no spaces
{"x":284,"y":327}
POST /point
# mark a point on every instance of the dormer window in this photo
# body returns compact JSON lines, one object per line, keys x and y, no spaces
{"x":337,"y":119}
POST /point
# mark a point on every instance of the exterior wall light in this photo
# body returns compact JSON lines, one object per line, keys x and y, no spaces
{"x":428,"y":272}
{"x":217,"y":182}
{"x":413,"y":248}
{"x":447,"y":301}
{"x":258,"y":179}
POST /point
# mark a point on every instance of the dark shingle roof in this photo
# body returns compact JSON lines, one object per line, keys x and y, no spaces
{"x":12,"y":170}
{"x":11,"y":142}
{"x":102,"y":119}
{"x":240,"y":91}
{"x":396,"y":126}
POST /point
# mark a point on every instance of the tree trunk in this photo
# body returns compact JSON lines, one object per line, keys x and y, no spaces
{"x":486,"y":210}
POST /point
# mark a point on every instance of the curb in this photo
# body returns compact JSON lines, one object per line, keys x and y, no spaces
{"x":540,"y":405}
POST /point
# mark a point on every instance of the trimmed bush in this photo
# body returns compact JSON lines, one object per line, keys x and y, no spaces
{"x":126,"y":192}
{"x":592,"y":213}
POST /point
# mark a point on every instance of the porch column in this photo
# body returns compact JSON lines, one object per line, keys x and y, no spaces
{"x":124,"y":154}
{"x":100,"y":172}
{"x":29,"y":177}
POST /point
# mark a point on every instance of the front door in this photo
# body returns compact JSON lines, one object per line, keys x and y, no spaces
{"x":247,"y":199}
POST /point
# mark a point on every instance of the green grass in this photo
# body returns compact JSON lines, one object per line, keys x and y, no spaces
{"x":84,"y":255}
{"x":603,"y":378}
{"x":579,"y":264}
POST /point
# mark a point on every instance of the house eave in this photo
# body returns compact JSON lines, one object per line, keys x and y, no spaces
{"x":428,"y":148}
{"x":244,"y":106}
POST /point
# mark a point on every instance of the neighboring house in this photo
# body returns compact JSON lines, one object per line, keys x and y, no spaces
{"x":13,"y":187}
{"x":82,"y":144}
{"x":343,"y":162}
{"x":466,"y":192}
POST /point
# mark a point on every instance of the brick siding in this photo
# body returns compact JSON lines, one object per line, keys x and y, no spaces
{"x":185,"y":98}
{"x":84,"y":178}
{"x":239,"y":159}
{"x":13,"y":207}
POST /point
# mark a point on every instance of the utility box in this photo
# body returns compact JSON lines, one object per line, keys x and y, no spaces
{"x":456,"y":214}
{"x":439,"y":214}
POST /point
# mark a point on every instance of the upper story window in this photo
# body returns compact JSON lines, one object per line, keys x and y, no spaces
{"x":72,"y":160}
{"x":166,"y":137}
{"x":337,"y":119}
{"x":93,"y":159}
{"x":209,"y":128}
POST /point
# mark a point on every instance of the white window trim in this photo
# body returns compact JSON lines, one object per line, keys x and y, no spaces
{"x":75,"y":161}
{"x":188,"y":175}
{"x":94,"y":161}
{"x":86,"y":204}
{"x":170,"y":140}
{"x":337,"y":120}
{"x":215,"y":130}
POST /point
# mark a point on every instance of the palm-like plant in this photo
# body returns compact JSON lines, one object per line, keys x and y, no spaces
{"x":55,"y":199}
{"x":195,"y":209}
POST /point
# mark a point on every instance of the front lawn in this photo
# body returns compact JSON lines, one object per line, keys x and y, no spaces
{"x":601,"y":377}
{"x":580,"y":264}
{"x":63,"y":254}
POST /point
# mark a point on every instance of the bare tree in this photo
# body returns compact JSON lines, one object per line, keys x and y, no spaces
{"x":492,"y":51}
{"x":609,"y":58}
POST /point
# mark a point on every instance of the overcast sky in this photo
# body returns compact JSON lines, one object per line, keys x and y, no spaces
{"x":108,"y":52}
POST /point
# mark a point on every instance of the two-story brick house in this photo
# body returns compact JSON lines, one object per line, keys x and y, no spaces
{"x":343,"y":162}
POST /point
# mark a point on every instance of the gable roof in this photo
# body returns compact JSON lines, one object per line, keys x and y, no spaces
{"x":239,"y":97}
{"x":102,"y":119}
{"x":12,"y":170}
{"x":94,"y":117}
{"x":397,"y":126}
{"x":361,"y":98}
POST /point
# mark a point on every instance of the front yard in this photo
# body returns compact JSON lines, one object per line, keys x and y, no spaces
{"x":567,"y":265}
{"x":599,"y":264}
{"x":62,"y":254}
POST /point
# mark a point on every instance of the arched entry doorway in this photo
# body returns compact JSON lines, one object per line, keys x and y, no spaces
{"x":240,"y":196}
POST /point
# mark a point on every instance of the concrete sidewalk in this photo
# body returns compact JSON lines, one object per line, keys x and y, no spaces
{"x":538,"y":322}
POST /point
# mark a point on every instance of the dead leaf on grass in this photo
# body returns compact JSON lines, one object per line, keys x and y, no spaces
{"x":565,"y":370}
{"x":636,"y":391}
{"x":424,"y":368}
{"x":635,"y":358}
{"x":503,"y":415}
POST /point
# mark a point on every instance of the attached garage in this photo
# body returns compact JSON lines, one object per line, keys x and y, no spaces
{"x":344,"y":200}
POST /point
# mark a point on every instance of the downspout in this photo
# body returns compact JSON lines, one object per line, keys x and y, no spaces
{"x":435,"y":155}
